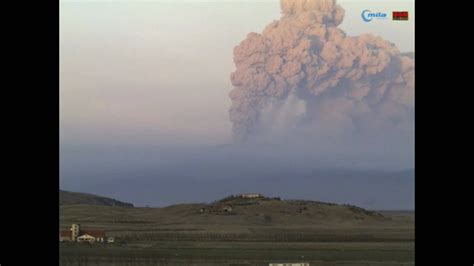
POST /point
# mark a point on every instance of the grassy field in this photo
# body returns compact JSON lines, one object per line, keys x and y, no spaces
{"x":252,"y":235}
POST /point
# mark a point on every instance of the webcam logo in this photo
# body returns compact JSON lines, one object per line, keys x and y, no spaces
{"x":368,"y":15}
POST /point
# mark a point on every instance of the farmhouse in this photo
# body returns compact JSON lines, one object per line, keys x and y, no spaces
{"x":92,"y":236}
{"x":77,"y":234}
{"x":65,"y":235}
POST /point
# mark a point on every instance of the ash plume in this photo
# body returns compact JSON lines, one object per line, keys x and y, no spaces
{"x":303,"y":74}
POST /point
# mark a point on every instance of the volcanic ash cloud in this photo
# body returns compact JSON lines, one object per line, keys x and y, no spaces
{"x":337,"y":84}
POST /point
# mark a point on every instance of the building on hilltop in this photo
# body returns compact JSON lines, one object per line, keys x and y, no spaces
{"x":251,"y":195}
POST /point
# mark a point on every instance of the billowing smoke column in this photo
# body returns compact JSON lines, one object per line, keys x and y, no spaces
{"x":303,"y":72}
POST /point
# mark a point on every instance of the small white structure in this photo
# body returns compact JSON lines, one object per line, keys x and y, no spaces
{"x":251,"y":195}
{"x":290,"y":264}
{"x":86,"y":238}
{"x":110,"y":239}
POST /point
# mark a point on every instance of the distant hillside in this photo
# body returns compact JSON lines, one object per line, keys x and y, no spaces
{"x":229,"y":211}
{"x":74,"y":198}
{"x":370,"y":189}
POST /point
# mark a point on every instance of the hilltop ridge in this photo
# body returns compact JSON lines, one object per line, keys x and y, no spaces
{"x":74,"y":198}
{"x":231,"y":210}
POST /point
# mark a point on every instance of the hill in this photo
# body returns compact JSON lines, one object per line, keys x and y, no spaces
{"x":74,"y":198}
{"x":232,"y":210}
{"x":370,"y":189}
{"x":241,"y":231}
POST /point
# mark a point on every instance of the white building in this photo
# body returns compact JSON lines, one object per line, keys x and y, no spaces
{"x":251,"y":195}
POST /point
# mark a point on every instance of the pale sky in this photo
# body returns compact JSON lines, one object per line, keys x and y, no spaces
{"x":136,"y":75}
{"x":157,"y":71}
